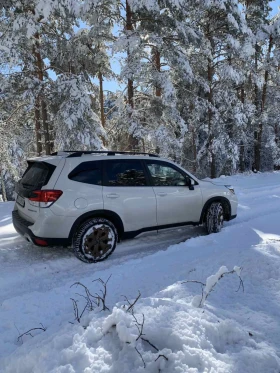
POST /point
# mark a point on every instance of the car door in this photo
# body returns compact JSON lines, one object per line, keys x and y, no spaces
{"x":177,"y":200}
{"x":127,"y":192}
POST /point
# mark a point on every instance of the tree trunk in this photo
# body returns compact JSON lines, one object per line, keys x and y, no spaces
{"x":194,"y":150}
{"x":40,"y":75}
{"x":242,"y":94}
{"x":241,"y":157}
{"x":213,"y":164}
{"x":101,"y":100}
{"x":4,"y":194}
{"x":132,"y":141}
{"x":257,"y":152}
{"x":156,"y":62}
{"x":38,"y":126}
{"x":259,"y":132}
{"x":45,"y":126}
{"x":210,"y":73}
{"x":129,"y":27}
{"x":130,"y":93}
{"x":266,"y":74}
{"x":51,"y":136}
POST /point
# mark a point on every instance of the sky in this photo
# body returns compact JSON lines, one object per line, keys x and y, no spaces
{"x":275,"y":7}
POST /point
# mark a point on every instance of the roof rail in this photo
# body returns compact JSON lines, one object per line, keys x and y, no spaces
{"x":79,"y":153}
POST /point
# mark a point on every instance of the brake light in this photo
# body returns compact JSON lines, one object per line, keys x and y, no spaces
{"x":40,"y":242}
{"x":45,"y":197}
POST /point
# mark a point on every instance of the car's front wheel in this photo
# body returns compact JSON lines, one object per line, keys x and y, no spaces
{"x":95,"y":240}
{"x":214,"y":219}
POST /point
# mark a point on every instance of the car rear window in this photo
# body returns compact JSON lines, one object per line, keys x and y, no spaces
{"x":37,"y":175}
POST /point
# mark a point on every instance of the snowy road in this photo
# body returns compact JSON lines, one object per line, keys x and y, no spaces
{"x":30,"y":262}
{"x":35,"y":287}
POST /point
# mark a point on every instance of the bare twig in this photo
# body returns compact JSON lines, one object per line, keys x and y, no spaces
{"x":90,"y":303}
{"x":191,"y":270}
{"x":241,"y":285}
{"x":103,"y":292}
{"x":166,"y":358}
{"x":146,"y":340}
{"x":205,"y":293}
{"x":221,"y":276}
{"x":18,"y":331}
{"x":197,"y":282}
{"x":76,"y":310}
{"x":130,"y":309}
{"x":140,"y":356}
{"x":28,"y":332}
{"x":140,"y":326}
{"x":131,"y":305}
{"x":90,"y":299}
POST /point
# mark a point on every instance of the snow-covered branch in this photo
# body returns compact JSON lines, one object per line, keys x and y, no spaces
{"x":212,"y":281}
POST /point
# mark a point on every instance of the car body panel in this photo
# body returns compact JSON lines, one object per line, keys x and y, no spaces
{"x":50,"y":225}
{"x":78,"y":198}
{"x":210,"y":190}
{"x":136,"y":206}
{"x":178,"y":204}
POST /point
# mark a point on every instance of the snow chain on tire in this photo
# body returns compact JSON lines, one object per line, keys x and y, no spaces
{"x":214,"y":218}
{"x":95,"y":240}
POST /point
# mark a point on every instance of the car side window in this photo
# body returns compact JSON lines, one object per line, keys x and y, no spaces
{"x":125,"y":173}
{"x":88,"y":173}
{"x":163,"y":174}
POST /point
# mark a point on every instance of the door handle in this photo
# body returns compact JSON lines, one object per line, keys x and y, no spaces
{"x":162,"y":194}
{"x":112,"y":195}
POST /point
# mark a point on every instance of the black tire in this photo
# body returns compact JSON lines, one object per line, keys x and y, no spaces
{"x":214,"y":218}
{"x":95,"y":240}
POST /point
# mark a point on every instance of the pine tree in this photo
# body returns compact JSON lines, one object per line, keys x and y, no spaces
{"x":257,"y":17}
{"x":216,"y":115}
{"x":200,"y":81}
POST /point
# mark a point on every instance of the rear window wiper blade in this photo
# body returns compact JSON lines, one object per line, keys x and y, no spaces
{"x":27,"y":185}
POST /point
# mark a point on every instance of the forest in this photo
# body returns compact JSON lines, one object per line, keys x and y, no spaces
{"x":197,"y":81}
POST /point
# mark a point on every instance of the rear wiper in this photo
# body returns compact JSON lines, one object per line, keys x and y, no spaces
{"x":27,"y":185}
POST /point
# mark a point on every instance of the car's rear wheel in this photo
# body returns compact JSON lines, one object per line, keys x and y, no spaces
{"x":214,"y":219}
{"x":95,"y":240}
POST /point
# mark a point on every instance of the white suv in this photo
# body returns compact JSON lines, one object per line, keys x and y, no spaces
{"x":92,"y":200}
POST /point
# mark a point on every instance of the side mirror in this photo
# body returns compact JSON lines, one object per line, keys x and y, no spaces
{"x":191,"y":184}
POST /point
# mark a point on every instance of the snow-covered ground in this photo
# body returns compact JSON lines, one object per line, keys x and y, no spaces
{"x":234,"y":332}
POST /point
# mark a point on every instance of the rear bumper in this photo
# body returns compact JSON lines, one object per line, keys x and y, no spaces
{"x":22,"y":227}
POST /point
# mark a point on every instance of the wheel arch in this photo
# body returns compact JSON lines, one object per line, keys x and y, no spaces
{"x":225,"y":203}
{"x":107,"y":214}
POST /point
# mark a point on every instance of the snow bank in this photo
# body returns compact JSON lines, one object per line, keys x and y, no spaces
{"x":193,"y":340}
{"x":124,"y":323}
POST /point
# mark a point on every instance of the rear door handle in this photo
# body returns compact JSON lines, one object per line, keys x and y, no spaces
{"x":112,"y":195}
{"x":162,"y":194}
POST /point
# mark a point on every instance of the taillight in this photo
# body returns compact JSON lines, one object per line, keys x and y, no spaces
{"x":40,"y":242}
{"x":45,"y":197}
